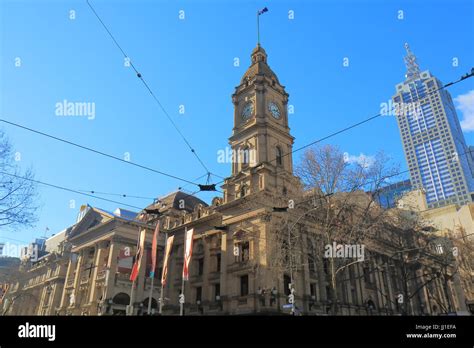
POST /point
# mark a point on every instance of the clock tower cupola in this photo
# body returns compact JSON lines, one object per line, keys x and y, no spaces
{"x":261,"y":141}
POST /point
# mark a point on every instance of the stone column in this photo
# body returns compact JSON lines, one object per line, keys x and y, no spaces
{"x":100,"y":252}
{"x":112,"y":262}
{"x":347,"y":278}
{"x":390,"y":294}
{"x":41,"y":300}
{"x":206,"y":288}
{"x":225,"y":292}
{"x":361,"y":283}
{"x":77,"y":277}
{"x":461,"y":299}
{"x":380,"y":286}
{"x":70,"y":269}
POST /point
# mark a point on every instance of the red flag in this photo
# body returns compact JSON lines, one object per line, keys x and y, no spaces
{"x":153,"y":250}
{"x":188,"y":251}
{"x":138,"y":257}
{"x":169,"y":243}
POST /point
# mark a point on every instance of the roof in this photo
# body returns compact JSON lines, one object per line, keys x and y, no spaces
{"x":259,"y":66}
{"x":53,"y":242}
{"x":119,"y":212}
{"x":174,"y":200}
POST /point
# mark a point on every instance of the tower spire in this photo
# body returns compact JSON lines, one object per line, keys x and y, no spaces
{"x":413,"y":69}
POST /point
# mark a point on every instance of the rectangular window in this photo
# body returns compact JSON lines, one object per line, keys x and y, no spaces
{"x":218,"y":262}
{"x":286,"y":284}
{"x":244,"y":285}
{"x":311,"y":265}
{"x":198,"y":294}
{"x":312,"y":290}
{"x":217,"y":291}
{"x":326,"y":265}
{"x":367,"y":277}
{"x":245,"y":251}
{"x":200,"y":266}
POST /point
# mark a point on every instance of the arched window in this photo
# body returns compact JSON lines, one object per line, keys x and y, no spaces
{"x":245,"y":156}
{"x":154,"y":303}
{"x":243,"y":191}
{"x":121,"y":299}
{"x":279,"y":156}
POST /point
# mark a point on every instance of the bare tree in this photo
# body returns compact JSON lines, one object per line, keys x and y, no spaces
{"x":341,"y":206}
{"x":17,"y":191}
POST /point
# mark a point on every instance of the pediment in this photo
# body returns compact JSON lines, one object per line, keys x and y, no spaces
{"x":91,"y":219}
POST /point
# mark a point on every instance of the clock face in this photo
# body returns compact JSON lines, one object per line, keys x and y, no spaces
{"x":247,"y":111}
{"x":274,"y":110}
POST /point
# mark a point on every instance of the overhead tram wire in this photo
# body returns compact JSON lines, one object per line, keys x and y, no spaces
{"x":123,"y":195}
{"x":70,"y":190}
{"x":139,"y":75}
{"x":98,"y":152}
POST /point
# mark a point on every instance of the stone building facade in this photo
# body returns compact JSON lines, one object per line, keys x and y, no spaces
{"x":39,"y":282}
{"x":237,"y":265}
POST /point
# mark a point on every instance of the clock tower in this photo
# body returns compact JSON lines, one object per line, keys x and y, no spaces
{"x":261,"y":141}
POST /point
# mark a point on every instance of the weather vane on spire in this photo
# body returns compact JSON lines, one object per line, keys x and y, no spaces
{"x":413,"y":69}
{"x":259,"y":13}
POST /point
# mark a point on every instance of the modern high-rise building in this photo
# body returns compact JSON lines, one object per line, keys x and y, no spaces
{"x":438,"y":158}
{"x":388,"y":196}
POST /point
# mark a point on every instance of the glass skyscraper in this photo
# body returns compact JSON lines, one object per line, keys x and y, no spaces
{"x":438,"y":158}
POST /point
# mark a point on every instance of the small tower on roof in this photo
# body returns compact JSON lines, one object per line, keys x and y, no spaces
{"x":413,"y":69}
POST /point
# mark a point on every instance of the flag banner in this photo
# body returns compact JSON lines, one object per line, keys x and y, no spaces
{"x":164,"y":274}
{"x":138,"y":257}
{"x":125,"y":260}
{"x":188,"y":251}
{"x":154,"y":249}
{"x":262,"y":11}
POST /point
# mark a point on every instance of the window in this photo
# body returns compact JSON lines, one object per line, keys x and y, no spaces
{"x":286,"y":284}
{"x":244,"y":251}
{"x":326,"y":265}
{"x":367,"y":277}
{"x":218,"y":262}
{"x":217,"y":291}
{"x":200,"y":266}
{"x":311,"y":265}
{"x":245,"y":156}
{"x":312,"y":290}
{"x":243,"y":191}
{"x":244,"y":285}
{"x":279,"y":156}
{"x":198,"y":294}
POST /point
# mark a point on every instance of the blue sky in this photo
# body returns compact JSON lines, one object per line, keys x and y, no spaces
{"x":190,"y":62}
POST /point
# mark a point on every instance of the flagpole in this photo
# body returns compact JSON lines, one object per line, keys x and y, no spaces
{"x":134,"y":280}
{"x":162,"y":287}
{"x":258,"y":29}
{"x":151,"y":294}
{"x":181,"y":303}
{"x":152,"y":272}
{"x":130,"y":305}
